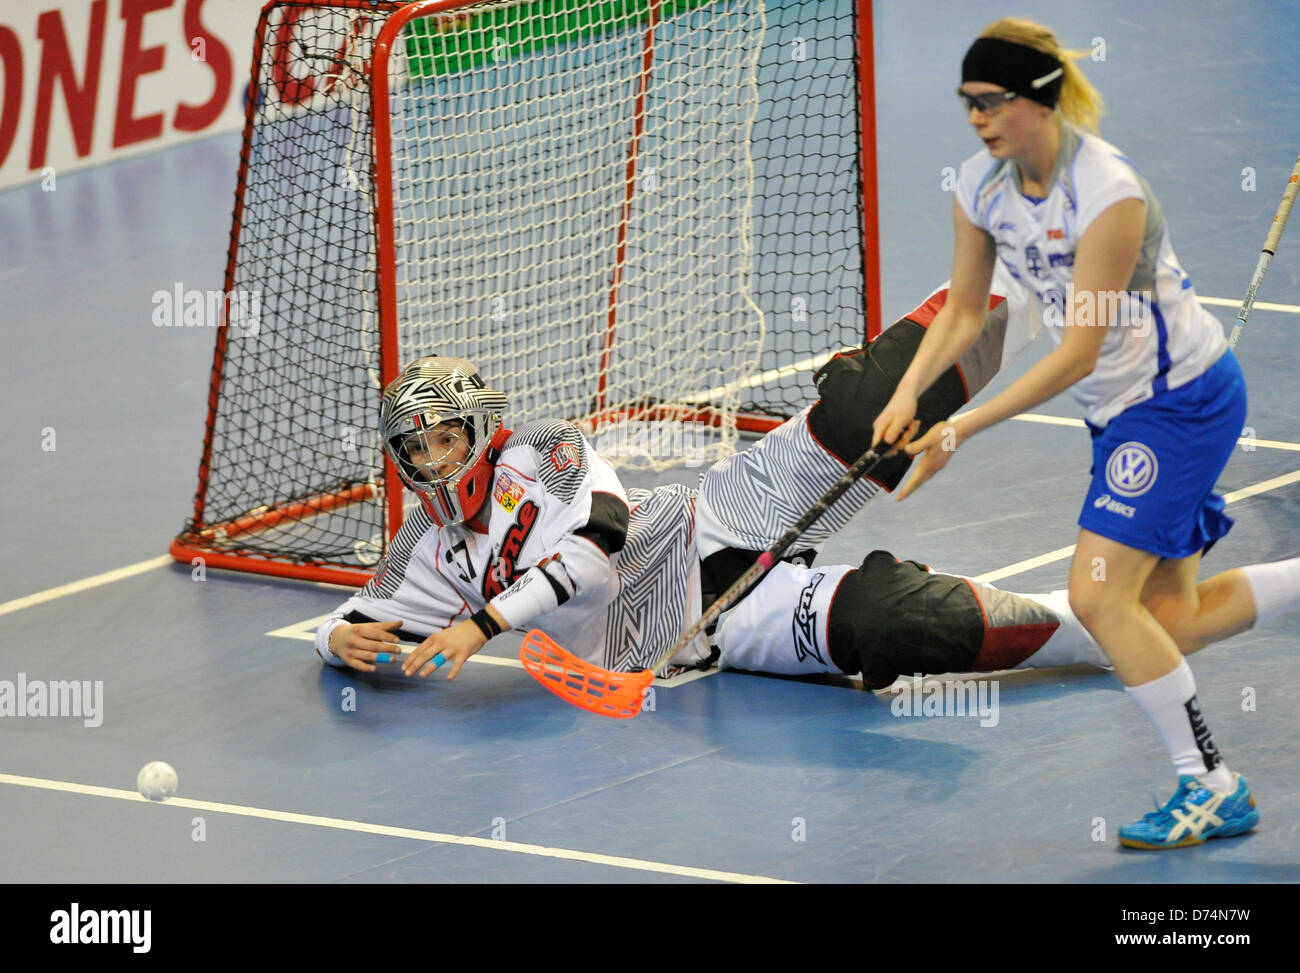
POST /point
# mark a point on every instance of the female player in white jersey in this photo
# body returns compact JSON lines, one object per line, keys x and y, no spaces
{"x":1071,"y":218}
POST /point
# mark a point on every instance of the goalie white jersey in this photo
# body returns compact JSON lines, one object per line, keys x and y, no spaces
{"x":610,"y":575}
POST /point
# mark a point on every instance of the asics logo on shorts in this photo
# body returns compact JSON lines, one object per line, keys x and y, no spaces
{"x":1114,"y":506}
{"x":1131,"y":470}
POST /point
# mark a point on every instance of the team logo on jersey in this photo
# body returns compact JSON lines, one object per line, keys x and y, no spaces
{"x":805,"y":623}
{"x":507,"y":492}
{"x":501,"y":575}
{"x":1056,"y":234}
{"x":1034,"y":261}
{"x":565,"y":454}
{"x":1131,"y":470}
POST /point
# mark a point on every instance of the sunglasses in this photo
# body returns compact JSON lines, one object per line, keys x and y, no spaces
{"x":989,"y":103}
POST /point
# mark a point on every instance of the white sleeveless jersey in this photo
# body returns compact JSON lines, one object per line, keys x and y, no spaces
{"x":1160,"y":336}
{"x":609,"y":575}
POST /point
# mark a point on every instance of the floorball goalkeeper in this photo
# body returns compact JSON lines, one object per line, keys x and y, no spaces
{"x":531,"y":528}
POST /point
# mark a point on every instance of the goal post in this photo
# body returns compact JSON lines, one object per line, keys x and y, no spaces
{"x":652,"y":217}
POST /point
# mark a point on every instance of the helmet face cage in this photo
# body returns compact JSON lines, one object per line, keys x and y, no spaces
{"x":429,"y":392}
{"x":427,"y":455}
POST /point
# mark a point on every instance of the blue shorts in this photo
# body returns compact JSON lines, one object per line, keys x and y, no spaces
{"x":1155,"y":464}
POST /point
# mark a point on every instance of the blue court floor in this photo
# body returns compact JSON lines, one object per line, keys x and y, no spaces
{"x":731,"y":777}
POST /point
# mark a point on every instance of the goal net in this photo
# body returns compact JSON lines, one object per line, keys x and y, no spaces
{"x":646,"y":216}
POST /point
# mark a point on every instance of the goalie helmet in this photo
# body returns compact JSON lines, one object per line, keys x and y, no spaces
{"x":451,"y":481}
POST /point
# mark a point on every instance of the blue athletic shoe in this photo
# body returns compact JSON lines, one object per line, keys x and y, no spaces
{"x":1194,"y":815}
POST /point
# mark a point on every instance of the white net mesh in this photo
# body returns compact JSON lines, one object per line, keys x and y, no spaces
{"x":573,"y":210}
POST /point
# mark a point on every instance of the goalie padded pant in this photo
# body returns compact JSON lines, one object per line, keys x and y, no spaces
{"x":889,"y":618}
{"x":750,"y":498}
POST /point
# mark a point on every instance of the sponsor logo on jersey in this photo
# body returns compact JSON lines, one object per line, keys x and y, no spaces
{"x":1131,"y":470}
{"x":501,"y":575}
{"x":565,"y":454}
{"x":1114,"y":506}
{"x":507,"y":492}
{"x":1007,"y":226}
{"x":805,"y":623}
{"x":1056,"y":234}
{"x":1060,"y":259}
{"x":1034,"y":261}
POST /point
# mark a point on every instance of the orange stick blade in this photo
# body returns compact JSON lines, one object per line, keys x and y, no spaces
{"x":576,"y":681}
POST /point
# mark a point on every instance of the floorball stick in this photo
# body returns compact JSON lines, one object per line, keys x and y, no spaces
{"x":618,"y":694}
{"x":1266,"y":255}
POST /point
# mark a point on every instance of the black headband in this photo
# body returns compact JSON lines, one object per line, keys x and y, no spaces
{"x":1018,"y":68}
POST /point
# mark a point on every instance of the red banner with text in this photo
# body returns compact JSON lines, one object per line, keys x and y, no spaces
{"x":84,"y":82}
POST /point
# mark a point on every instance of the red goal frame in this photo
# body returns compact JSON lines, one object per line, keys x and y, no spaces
{"x":189,"y":546}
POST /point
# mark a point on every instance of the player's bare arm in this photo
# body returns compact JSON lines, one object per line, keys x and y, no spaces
{"x":953,"y":330}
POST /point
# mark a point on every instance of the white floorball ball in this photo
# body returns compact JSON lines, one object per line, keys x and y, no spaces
{"x":156,"y":781}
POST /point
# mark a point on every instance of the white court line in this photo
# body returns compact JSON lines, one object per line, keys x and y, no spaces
{"x":108,"y":577}
{"x":1258,"y":305}
{"x":1264,"y":486}
{"x":1058,"y":555}
{"x":1078,"y":423}
{"x":1047,"y":420}
{"x":339,"y":824}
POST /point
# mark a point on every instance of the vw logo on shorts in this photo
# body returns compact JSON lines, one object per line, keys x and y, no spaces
{"x":1131,"y":469}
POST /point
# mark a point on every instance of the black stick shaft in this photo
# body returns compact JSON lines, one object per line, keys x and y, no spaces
{"x":865,"y":464}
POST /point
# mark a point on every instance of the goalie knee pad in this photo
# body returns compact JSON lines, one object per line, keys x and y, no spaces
{"x":854,"y":386}
{"x":892,"y":618}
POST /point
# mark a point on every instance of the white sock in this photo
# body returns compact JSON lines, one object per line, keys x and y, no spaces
{"x":1276,"y":587}
{"x":1170,"y":704}
{"x":1070,"y":644}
